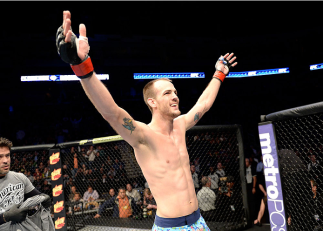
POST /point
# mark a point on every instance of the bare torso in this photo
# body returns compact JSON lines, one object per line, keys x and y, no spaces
{"x":165,"y":164}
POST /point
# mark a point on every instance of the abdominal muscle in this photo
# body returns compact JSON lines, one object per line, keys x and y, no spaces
{"x":169,"y":178}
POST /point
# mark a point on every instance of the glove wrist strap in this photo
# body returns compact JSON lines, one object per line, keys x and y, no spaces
{"x":219,"y":75}
{"x":84,"y":69}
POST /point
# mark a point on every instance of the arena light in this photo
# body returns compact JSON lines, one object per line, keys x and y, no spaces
{"x":316,"y":66}
{"x":37,"y":78}
{"x":175,"y":75}
{"x":258,"y":73}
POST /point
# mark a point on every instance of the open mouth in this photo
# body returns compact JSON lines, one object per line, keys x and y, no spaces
{"x":174,"y":105}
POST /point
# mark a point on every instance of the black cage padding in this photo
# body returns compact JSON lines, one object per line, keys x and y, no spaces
{"x":294,"y":112}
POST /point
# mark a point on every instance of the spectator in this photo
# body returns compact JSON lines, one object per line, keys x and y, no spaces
{"x":135,"y":184}
{"x":91,"y":177}
{"x":109,"y":195}
{"x":314,"y":168}
{"x":30,"y":177}
{"x":133,"y":193}
{"x":260,"y":165}
{"x":83,"y":157}
{"x":150,"y":203}
{"x":206,"y":198}
{"x":197,"y":165}
{"x":251,"y":179}
{"x":315,"y":211}
{"x":195,"y":178}
{"x":72,"y":194}
{"x":47,"y":174}
{"x":91,"y":153}
{"x":46,"y":188}
{"x":227,"y":210}
{"x":66,"y":174}
{"x":37,"y":172}
{"x":77,"y":203}
{"x":220,"y":171}
{"x":262,"y":198}
{"x":123,"y":206}
{"x":76,"y":165}
{"x":112,"y":172}
{"x":90,"y":197}
{"x":214,"y":179}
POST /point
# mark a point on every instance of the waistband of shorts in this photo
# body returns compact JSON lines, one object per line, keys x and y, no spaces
{"x":178,"y":221}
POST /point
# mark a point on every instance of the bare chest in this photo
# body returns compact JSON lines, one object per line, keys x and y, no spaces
{"x":166,"y":152}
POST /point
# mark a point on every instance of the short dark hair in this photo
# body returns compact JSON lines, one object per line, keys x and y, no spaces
{"x":204,"y":180}
{"x":5,"y":143}
{"x":121,"y":189}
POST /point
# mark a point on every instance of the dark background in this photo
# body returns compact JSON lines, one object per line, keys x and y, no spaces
{"x":165,"y":36}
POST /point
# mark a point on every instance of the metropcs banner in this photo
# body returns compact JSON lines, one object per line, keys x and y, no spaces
{"x":273,"y":182}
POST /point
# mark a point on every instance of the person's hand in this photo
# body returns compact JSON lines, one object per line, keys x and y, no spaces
{"x":15,"y":214}
{"x":83,"y":47}
{"x":253,"y":190}
{"x":265,"y":194}
{"x":97,"y":216}
{"x":224,"y":68}
{"x":47,"y":202}
{"x":149,"y":206}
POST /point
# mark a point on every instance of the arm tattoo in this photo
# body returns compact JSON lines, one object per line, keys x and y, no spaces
{"x":128,"y":124}
{"x":197,"y":117}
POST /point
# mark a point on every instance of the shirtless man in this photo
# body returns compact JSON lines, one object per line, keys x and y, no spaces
{"x":159,"y":147}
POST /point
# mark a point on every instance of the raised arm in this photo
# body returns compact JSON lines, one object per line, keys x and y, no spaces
{"x":75,"y":51}
{"x":208,"y":96}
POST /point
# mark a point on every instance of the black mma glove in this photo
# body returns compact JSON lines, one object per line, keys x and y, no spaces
{"x":47,"y":202}
{"x":15,"y":214}
{"x":68,"y":53}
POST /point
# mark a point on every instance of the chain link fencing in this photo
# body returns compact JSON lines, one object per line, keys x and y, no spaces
{"x":299,"y":139}
{"x":94,"y":172}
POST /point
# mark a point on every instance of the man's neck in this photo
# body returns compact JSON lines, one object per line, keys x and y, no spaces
{"x":161,"y":124}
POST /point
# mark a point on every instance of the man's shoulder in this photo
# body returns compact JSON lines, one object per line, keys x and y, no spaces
{"x":16,"y":174}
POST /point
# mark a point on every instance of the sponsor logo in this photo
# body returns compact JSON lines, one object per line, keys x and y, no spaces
{"x":54,"y":158}
{"x":56,"y":174}
{"x":274,"y":190}
{"x":57,"y":190}
{"x":59,"y":223}
{"x":59,"y":206}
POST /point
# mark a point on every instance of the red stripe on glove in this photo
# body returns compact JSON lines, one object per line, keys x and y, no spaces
{"x":83,"y":68}
{"x":219,"y":75}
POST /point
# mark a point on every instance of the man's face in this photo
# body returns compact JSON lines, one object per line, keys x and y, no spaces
{"x":111,"y":192}
{"x":122,"y":194}
{"x":192,"y":168}
{"x":90,"y":190}
{"x":211,"y":169}
{"x":219,"y":166}
{"x":73,"y":189}
{"x":4,"y":160}
{"x":247,"y":162}
{"x":313,"y":159}
{"x":166,"y":98}
{"x":77,"y":197}
{"x":129,"y":188}
{"x":314,"y":189}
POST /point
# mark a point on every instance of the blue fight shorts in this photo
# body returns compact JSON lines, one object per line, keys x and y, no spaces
{"x":192,"y":222}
